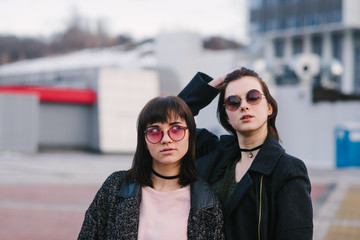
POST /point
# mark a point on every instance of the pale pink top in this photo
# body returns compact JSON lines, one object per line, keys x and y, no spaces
{"x":164,"y":215}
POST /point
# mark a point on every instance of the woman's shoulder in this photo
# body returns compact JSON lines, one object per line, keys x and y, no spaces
{"x":291,"y":162}
{"x":202,"y":195}
{"x":117,"y":175}
{"x":115,"y":180}
{"x":225,"y":140}
{"x":290,"y":166}
{"x":285,"y":162}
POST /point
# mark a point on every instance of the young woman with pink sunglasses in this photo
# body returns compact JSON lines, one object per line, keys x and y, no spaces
{"x":161,"y":196}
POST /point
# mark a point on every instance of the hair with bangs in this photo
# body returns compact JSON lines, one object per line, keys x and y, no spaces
{"x":163,"y":109}
{"x":237,"y":74}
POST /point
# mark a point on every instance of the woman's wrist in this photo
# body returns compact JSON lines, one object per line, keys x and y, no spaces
{"x":217,"y":81}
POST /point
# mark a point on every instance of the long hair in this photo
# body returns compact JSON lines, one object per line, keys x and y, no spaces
{"x":162,"y":109}
{"x":221,"y":112}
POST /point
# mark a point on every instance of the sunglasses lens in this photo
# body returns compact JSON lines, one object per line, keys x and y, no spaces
{"x":232,"y":103}
{"x":253,"y":97}
{"x":153,"y":135}
{"x":177,"y":133}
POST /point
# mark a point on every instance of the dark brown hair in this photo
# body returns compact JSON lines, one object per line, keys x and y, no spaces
{"x":237,"y":74}
{"x":162,"y":109}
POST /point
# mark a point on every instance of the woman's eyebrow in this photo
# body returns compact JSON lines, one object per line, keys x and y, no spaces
{"x":152,"y":126}
{"x":175,"y":123}
{"x":171,"y":124}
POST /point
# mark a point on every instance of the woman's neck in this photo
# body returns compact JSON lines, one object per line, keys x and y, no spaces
{"x":165,"y":178}
{"x":163,"y":185}
{"x":251,"y":140}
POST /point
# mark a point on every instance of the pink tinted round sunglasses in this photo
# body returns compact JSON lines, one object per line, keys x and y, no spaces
{"x":155,"y":135}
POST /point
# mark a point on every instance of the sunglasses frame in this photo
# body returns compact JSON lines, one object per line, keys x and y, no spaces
{"x":167,"y":131}
{"x":240,"y":100}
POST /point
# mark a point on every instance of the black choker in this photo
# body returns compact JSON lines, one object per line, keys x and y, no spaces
{"x":165,"y":177}
{"x":250,"y":150}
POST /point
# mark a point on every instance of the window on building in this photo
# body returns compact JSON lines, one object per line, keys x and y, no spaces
{"x":279,"y":45}
{"x":290,"y":22}
{"x":334,"y":16}
{"x":255,"y":4}
{"x":299,"y":21}
{"x":337,"y":45}
{"x":335,"y":10}
{"x":311,"y":19}
{"x":297,"y":45}
{"x":316,"y":44}
{"x":270,"y":25}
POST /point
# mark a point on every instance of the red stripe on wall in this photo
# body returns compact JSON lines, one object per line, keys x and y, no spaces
{"x":54,"y":94}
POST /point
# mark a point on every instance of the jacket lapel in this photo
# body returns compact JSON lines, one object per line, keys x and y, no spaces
{"x":268,"y":156}
{"x":264,"y":163}
{"x":128,"y":211}
{"x":202,"y":195}
{"x":239,"y":192}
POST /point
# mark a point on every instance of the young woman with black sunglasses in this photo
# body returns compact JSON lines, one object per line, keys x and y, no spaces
{"x":265,"y":193}
{"x":161,"y":196}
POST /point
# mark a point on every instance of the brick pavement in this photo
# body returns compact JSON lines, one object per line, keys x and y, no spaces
{"x":337,"y":206}
{"x":43,"y":211}
{"x":45,"y":196}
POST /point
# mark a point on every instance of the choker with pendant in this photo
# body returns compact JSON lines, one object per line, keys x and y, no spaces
{"x":250,"y":150}
{"x":165,"y":177}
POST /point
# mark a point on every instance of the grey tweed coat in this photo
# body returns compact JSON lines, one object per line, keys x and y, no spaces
{"x":114,"y":212}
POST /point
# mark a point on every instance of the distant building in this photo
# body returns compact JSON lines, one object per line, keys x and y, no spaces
{"x":310,"y":56}
{"x":329,"y":29}
{"x":88,"y":99}
{"x":91,"y":98}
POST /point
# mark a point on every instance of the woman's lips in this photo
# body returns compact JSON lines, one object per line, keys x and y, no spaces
{"x":246,"y":117}
{"x":167,"y":150}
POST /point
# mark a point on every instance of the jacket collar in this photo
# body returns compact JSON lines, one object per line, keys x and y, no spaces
{"x":129,"y":189}
{"x":201,"y":194}
{"x":265,"y":160}
{"x":268,"y":156}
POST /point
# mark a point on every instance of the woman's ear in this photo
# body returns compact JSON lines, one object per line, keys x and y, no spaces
{"x":270,"y":109}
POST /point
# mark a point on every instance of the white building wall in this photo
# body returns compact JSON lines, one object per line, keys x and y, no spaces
{"x":269,"y":49}
{"x":19,"y":122}
{"x":64,"y":125}
{"x":307,"y":129}
{"x":326,"y":48}
{"x":122,"y":93}
{"x":179,"y":51}
{"x":347,"y":83}
{"x":351,"y":16}
{"x":288,"y":49}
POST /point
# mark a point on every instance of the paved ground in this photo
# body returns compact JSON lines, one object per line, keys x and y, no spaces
{"x":44,"y":196}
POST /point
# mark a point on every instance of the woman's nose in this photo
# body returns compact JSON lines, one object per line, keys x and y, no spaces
{"x":243,"y":106}
{"x":166,"y":138}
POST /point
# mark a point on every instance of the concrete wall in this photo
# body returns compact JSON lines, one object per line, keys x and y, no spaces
{"x":351,"y":13}
{"x":307,"y":130}
{"x":65,"y":125}
{"x":19,"y":122}
{"x":180,"y":52}
{"x":122,"y":93}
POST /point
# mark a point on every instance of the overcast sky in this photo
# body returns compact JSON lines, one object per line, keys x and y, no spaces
{"x":139,"y":18}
